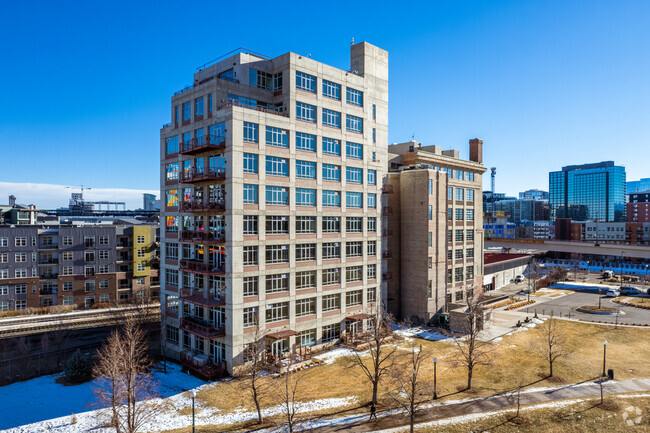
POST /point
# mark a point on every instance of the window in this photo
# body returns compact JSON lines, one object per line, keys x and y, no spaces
{"x":460,"y":194}
{"x":103,"y":284}
{"x":353,"y":273}
{"x":371,"y":294}
{"x":186,"y":111}
{"x":140,"y":239}
{"x":4,"y":258}
{"x":372,"y":177}
{"x":469,"y":176}
{"x":141,"y":267}
{"x":331,"y":90}
{"x":459,"y":174}
{"x":4,"y":290}
{"x":459,"y":236}
{"x":469,"y":273}
{"x":458,"y":296}
{"x":276,"y":312}
{"x":469,"y":214}
{"x":4,"y":274}
{"x":277,"y":254}
{"x":89,"y":256}
{"x":277,"y":283}
{"x":331,"y":250}
{"x":469,"y":235}
{"x":20,"y":257}
{"x":171,"y":277}
{"x":198,"y":107}
{"x":353,"y":298}
{"x":20,"y":289}
{"x":372,"y":224}
{"x":305,"y":197}
{"x":305,"y":142}
{"x":250,"y":224}
{"x":459,"y":254}
{"x":353,"y":175}
{"x":171,"y":224}
{"x":250,"y":163}
{"x":89,"y":286}
{"x":331,"y":224}
{"x":140,"y":253}
{"x":354,"y":150}
{"x":250,"y":194}
{"x":20,"y":273}
{"x":459,"y":214}
{"x":172,"y":197}
{"x":251,"y":132}
{"x":277,"y":166}
{"x":251,"y":286}
{"x":20,"y":242}
{"x":305,"y":252}
{"x":305,"y":169}
{"x":277,"y":195}
{"x":430,"y":239}
{"x":331,"y":146}
{"x":469,"y":253}
{"x":353,"y":123}
{"x":372,"y":248}
{"x":469,"y":195}
{"x":331,"y":276}
{"x":354,"y":199}
{"x":354,"y":249}
{"x":354,"y":224}
{"x":331,"y":302}
{"x":68,"y":270}
{"x":305,"y":82}
{"x":450,"y":193}
{"x":306,"y":224}
{"x":250,"y":316}
{"x":355,"y":97}
{"x":172,"y":171}
{"x":104,"y":297}
{"x":305,"y":279}
{"x":331,"y":198}
{"x":331,"y":172}
{"x":458,"y":274}
{"x":331,"y":332}
{"x":277,"y":137}
{"x":372,"y":200}
{"x":308,"y":337}
{"x":305,"y":307}
{"x":171,"y":145}
{"x":305,"y":112}
{"x":331,"y":118}
{"x":21,"y":304}
{"x":250,"y":255}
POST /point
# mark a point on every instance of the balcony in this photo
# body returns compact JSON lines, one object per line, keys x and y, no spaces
{"x":49,"y":276}
{"x":386,"y":254}
{"x":48,"y":261}
{"x":203,"y":237}
{"x":203,"y":206}
{"x":387,"y":276}
{"x":198,"y":267}
{"x":202,"y":328}
{"x":202,"y":297}
{"x":236,"y":103}
{"x":48,"y":291}
{"x":47,"y":246}
{"x":193,"y":176}
{"x":202,"y":366}
{"x":203,"y":144}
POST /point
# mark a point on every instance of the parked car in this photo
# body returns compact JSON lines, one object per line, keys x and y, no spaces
{"x":519,"y":278}
{"x":629,"y":290}
{"x":613,"y":293}
{"x":608,"y":274}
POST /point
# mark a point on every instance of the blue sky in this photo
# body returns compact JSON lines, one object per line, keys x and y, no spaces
{"x":87,"y":85}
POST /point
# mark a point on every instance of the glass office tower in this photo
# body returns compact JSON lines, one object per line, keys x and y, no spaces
{"x":588,"y":192}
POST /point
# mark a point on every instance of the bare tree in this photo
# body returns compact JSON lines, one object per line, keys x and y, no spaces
{"x":408,"y":391}
{"x":551,"y":343}
{"x":287,"y":392}
{"x":254,"y":368}
{"x":381,"y":355}
{"x":532,"y":274}
{"x":127,"y":386}
{"x":472,"y":352}
{"x":557,"y":274}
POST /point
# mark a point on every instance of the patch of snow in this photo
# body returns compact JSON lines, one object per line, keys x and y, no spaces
{"x":331,"y":356}
{"x":537,"y":321}
{"x":496,"y":340}
{"x":419,"y":332}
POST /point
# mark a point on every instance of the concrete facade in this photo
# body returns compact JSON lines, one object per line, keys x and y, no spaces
{"x":246,"y":229}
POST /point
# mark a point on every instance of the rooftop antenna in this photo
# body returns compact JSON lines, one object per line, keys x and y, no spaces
{"x":352,"y":41}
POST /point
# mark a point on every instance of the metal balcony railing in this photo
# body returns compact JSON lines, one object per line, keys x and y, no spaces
{"x":202,"y":268}
{"x":195,"y":175}
{"x":202,"y":328}
{"x":203,"y":205}
{"x":203,"y":144}
{"x":204,"y":237}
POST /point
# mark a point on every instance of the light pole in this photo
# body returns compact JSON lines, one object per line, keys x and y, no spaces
{"x":646,"y":274}
{"x":435,"y":385}
{"x":604,"y":356}
{"x":193,"y":395}
{"x":622,"y":260}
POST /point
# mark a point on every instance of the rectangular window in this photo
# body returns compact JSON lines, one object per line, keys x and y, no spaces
{"x":20,"y":242}
{"x":469,"y":214}
{"x":277,"y":312}
{"x":372,"y":248}
{"x":331,"y":332}
{"x":354,"y":199}
{"x":305,"y":82}
{"x":458,"y":274}
{"x":353,"y":298}
{"x":354,"y":249}
{"x":459,"y":235}
{"x":450,"y":193}
{"x":331,"y":198}
{"x":186,"y":111}
{"x":4,"y":242}
{"x":469,"y":195}
{"x":331,"y":276}
{"x":353,"y":123}
{"x":308,"y":337}
{"x":460,"y":194}
{"x":460,"y":174}
{"x":371,"y":272}
{"x":305,"y":279}
{"x":332,"y":250}
{"x":4,"y":258}
{"x":331,"y":90}
{"x":277,"y":254}
{"x":171,"y":145}
{"x":277,"y":195}
{"x":354,"y":97}
{"x":331,"y":118}
{"x":331,"y":224}
{"x":331,"y":146}
{"x":251,"y":132}
{"x":371,"y":294}
{"x":198,"y":107}
{"x":250,"y":255}
{"x":20,"y":289}
{"x":354,"y":150}
{"x":277,"y":283}
{"x":21,"y":257}
{"x":469,"y":176}
{"x":354,"y":273}
{"x":250,"y":194}
{"x":469,"y":235}
{"x":67,"y":241}
{"x":331,"y":302}
{"x":305,"y":112}
{"x":250,"y":163}
{"x":458,"y":296}
{"x":305,"y":169}
{"x":171,"y":171}
{"x":89,"y":286}
{"x":353,"y":175}
{"x":430,"y":212}
{"x":372,"y":224}
{"x":172,"y":198}
{"x":354,"y":224}
{"x":469,"y":253}
{"x":68,"y":270}
{"x":305,"y":142}
{"x":372,"y":200}
{"x":20,"y":273}
{"x":459,"y":254}
{"x":103,"y":269}
{"x":372,"y":177}
{"x":331,"y":172}
{"x":305,"y":252}
{"x":305,"y":197}
{"x":4,"y":274}
{"x":277,"y":137}
{"x":277,"y":225}
{"x":459,"y":214}
{"x":250,"y":316}
{"x":251,"y":286}
{"x":250,"y":224}
{"x":306,"y":224}
{"x":277,"y":166}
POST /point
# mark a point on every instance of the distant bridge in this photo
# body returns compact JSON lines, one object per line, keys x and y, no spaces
{"x":617,"y":250}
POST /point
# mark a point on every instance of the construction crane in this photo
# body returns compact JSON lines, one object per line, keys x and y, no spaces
{"x":77,"y":199}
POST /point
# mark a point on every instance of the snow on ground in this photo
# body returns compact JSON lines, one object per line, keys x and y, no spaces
{"x":331,"y":356}
{"x":42,"y":398}
{"x":419,"y":332}
{"x":585,"y":285}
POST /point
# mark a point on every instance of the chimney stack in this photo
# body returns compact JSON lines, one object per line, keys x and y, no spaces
{"x":476,"y":150}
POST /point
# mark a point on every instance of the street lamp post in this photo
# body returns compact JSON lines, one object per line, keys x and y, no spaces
{"x":646,"y":274}
{"x":435,"y":385}
{"x":604,"y":357}
{"x":623,"y":259}
{"x":193,"y":395}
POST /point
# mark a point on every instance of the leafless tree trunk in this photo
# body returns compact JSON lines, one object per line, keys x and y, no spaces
{"x":533,"y":275}
{"x":551,"y":343}
{"x":254,"y":356}
{"x":408,"y":391}
{"x":381,"y":355}
{"x":288,"y":389}
{"x":472,"y":352}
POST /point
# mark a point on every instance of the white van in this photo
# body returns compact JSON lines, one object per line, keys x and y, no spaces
{"x":613,"y":293}
{"x":519,"y":278}
{"x":608,"y":274}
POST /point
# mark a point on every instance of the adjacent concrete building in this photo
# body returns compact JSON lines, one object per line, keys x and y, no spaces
{"x":435,"y":228}
{"x":638,"y":207}
{"x":271,"y":174}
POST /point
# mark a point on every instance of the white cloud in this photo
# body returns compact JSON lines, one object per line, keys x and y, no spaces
{"x":48,"y":196}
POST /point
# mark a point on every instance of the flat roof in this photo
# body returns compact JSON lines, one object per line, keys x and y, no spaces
{"x":492,"y":258}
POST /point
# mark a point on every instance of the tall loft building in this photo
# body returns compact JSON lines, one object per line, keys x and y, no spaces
{"x":638,"y":185}
{"x":588,"y":192}
{"x":271,"y":174}
{"x":435,"y":228}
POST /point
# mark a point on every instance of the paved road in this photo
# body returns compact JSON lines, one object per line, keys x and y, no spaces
{"x":432,"y":413}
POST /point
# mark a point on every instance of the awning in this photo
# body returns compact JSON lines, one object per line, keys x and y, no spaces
{"x":360,"y":316}
{"x":281,"y":334}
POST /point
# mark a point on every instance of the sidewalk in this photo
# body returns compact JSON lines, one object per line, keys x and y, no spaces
{"x":436,"y":411}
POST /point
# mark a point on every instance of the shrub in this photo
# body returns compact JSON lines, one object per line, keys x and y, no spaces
{"x":77,"y":368}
